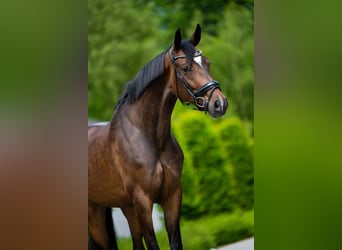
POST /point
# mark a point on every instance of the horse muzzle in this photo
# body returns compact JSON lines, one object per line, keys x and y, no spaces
{"x":217,"y":106}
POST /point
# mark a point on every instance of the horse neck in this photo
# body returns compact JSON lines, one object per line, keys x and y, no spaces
{"x":151,"y":113}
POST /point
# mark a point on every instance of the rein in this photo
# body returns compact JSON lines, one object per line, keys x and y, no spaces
{"x":200,"y":102}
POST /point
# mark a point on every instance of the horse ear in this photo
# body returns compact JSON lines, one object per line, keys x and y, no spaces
{"x":178,"y":39}
{"x":196,"y":36}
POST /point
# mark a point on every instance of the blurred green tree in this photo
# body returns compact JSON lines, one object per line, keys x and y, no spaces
{"x":232,"y":55}
{"x":121,"y":39}
{"x":174,"y":13}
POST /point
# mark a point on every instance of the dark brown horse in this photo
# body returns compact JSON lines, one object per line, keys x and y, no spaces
{"x":134,"y":160}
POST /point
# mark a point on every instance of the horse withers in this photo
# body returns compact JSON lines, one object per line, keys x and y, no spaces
{"x":134,"y":160}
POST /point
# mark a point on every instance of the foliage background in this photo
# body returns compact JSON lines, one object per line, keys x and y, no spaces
{"x":124,"y":35}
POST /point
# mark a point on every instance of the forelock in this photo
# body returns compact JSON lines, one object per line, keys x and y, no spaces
{"x":189,"y":50}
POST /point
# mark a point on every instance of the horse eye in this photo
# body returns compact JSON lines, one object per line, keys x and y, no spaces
{"x":186,"y":69}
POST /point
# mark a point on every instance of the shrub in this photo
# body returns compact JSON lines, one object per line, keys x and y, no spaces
{"x":212,"y":231}
{"x":208,"y":192}
{"x":226,"y":229}
{"x":238,"y":149}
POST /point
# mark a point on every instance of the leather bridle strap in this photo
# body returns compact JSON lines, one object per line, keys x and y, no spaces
{"x":199,"y":100}
{"x":209,"y":85}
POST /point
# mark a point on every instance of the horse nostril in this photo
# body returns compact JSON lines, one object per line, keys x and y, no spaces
{"x":217,"y":104}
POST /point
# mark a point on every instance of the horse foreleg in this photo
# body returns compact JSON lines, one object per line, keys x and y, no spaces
{"x":98,"y":224}
{"x":171,"y":206}
{"x":92,"y":245}
{"x":134,"y":226}
{"x":143,"y":206}
{"x":110,"y":229}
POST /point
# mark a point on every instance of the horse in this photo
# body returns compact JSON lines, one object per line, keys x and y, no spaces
{"x":134,"y":160}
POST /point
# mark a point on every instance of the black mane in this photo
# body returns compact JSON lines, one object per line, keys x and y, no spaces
{"x":136,"y":87}
{"x":151,"y":71}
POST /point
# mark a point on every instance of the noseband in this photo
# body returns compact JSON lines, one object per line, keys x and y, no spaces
{"x":200,"y":102}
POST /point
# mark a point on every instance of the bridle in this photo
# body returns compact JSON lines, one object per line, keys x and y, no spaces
{"x":200,"y":102}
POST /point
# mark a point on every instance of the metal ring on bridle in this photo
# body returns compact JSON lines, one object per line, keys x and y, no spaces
{"x":198,"y":104}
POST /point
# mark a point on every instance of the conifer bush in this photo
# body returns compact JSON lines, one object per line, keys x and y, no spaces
{"x":238,"y":149}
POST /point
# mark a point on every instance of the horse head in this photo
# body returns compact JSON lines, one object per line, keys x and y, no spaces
{"x":193,"y":82}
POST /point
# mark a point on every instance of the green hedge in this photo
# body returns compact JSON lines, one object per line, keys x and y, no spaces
{"x":230,"y":228}
{"x":218,"y":166}
{"x":205,"y":178}
{"x":238,"y":148}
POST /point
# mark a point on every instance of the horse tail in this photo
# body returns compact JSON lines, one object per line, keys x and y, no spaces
{"x":110,"y":229}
